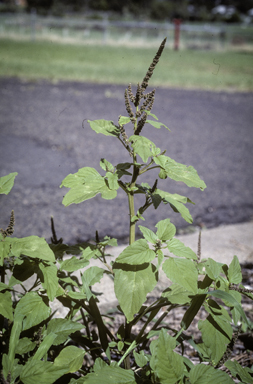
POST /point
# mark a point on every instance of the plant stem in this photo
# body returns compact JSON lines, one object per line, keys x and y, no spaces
{"x":131,"y":214}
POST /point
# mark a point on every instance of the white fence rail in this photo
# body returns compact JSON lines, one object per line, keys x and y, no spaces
{"x":106,"y":31}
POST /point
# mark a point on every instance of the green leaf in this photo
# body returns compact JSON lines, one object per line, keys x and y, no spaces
{"x":70,"y":357}
{"x":14,"y":338}
{"x":105,"y":127}
{"x":77,"y":295}
{"x":180,"y":172}
{"x":3,"y":286}
{"x":85,"y":184}
{"x":111,"y":375}
{"x":112,"y":179}
{"x":157,"y":124}
{"x":213,"y":268}
{"x":7,"y":182}
{"x":167,"y":365}
{"x":140,"y":359}
{"x":177,"y":203}
{"x":226,"y":296}
{"x":47,"y":342}
{"x":5,"y":246}
{"x":215,"y":338}
{"x":89,"y":277}
{"x":176,"y":294}
{"x":50,"y":283}
{"x":62,"y":328}
{"x":33,"y":308}
{"x":6,"y":309}
{"x":182,"y":272}
{"x":236,"y":369}
{"x":165,"y":230}
{"x":136,"y":253}
{"x":178,"y":248}
{"x":41,"y":372}
{"x":73,"y":264}
{"x":142,"y":146}
{"x":234,"y":271}
{"x":25,"y":345}
{"x":32,"y":246}
{"x":106,"y":165}
{"x":124,"y":120}
{"x":205,"y":374}
{"x":148,"y":234}
{"x":132,"y":283}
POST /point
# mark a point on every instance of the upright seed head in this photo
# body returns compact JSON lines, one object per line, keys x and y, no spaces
{"x":10,"y":229}
{"x":152,"y":66}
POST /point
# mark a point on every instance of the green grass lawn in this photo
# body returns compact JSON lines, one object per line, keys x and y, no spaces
{"x":226,"y":70}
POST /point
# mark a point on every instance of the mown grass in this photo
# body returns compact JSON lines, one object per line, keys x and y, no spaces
{"x":222,"y":70}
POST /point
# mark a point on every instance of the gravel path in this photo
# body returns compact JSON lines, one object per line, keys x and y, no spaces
{"x":44,"y":137}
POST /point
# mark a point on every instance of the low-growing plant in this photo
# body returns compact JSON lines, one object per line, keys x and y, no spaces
{"x":83,"y":347}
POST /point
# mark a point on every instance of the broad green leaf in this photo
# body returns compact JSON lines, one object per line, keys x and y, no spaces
{"x":77,"y":295}
{"x":82,"y":176}
{"x":167,"y":365}
{"x":180,"y":172}
{"x":33,"y":308}
{"x":62,"y":328}
{"x":89,"y":277}
{"x":124,"y":120}
{"x":6,"y":309}
{"x":226,"y":296}
{"x":70,"y":357}
{"x":105,"y":127}
{"x":182,"y":272}
{"x":205,"y":374}
{"x":234,"y":271}
{"x":214,"y":337}
{"x":106,"y":165}
{"x":213,"y":268}
{"x":14,"y":338}
{"x":218,"y":312}
{"x":111,"y":375}
{"x":165,"y":230}
{"x":85,"y":184}
{"x":47,"y":342}
{"x":178,"y":248}
{"x":25,"y":345}
{"x":5,"y":246}
{"x":3,"y":286}
{"x":41,"y":372}
{"x":157,"y":124}
{"x":50,"y":283}
{"x":7,"y":366}
{"x":142,"y":146}
{"x":236,"y":369}
{"x":140,"y":359}
{"x":176,"y":294}
{"x":151,"y":114}
{"x":112,"y":180}
{"x":177,"y":203}
{"x":73,"y":264}
{"x":136,"y":253}
{"x":132,"y":283}
{"x":88,"y":252}
{"x":32,"y":246}
{"x":7,"y":182}
{"x":148,"y":234}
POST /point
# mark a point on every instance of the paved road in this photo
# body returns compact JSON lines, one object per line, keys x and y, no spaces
{"x":42,"y":138}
